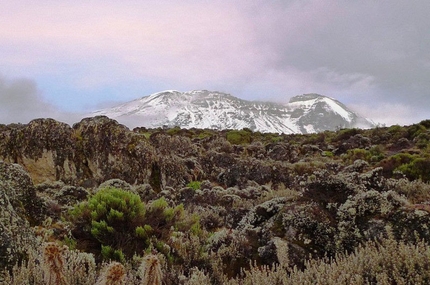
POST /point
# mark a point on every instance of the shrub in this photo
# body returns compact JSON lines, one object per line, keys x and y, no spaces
{"x":113,"y":274}
{"x":195,"y":185}
{"x":150,"y":270}
{"x":415,"y":130}
{"x":357,"y":153}
{"x":161,"y":217}
{"x":113,"y":217}
{"x":388,"y":262}
{"x":344,"y":134}
{"x":327,"y":153}
{"x":53,"y":264}
{"x":391,"y":163}
{"x":302,"y":168}
{"x":58,"y":266}
{"x":108,"y":253}
{"x":418,"y":168}
{"x":239,"y":137}
{"x":422,"y":140}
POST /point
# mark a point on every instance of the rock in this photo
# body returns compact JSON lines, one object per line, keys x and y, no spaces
{"x":145,"y":192}
{"x":92,"y":151}
{"x":116,"y":183}
{"x":356,"y":141}
{"x":16,"y":204}
{"x":262,"y":213}
{"x":44,"y":147}
{"x":70,"y":195}
{"x":21,"y":192}
{"x":106,"y":149}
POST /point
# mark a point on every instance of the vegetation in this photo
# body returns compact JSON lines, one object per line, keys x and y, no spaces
{"x":242,"y":207}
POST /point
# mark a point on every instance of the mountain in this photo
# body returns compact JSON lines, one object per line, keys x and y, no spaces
{"x":306,"y":113}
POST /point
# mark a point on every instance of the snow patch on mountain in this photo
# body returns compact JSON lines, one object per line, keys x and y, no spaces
{"x":307,"y":113}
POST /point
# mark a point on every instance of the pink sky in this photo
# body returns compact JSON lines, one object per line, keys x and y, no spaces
{"x":80,"y":55}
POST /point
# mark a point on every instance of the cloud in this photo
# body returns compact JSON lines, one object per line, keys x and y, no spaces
{"x":360,"y":52}
{"x":21,"y":102}
{"x":390,"y":114}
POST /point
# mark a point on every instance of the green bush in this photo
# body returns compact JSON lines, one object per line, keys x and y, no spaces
{"x":357,"y":153}
{"x":415,"y":130}
{"x":174,"y":131}
{"x":195,"y":185}
{"x":327,"y":153}
{"x":391,"y":163}
{"x":114,"y":218}
{"x":108,"y":253}
{"x":344,"y":134}
{"x":418,"y":168}
{"x":239,"y":137}
{"x":396,"y":132}
{"x":163,"y":218}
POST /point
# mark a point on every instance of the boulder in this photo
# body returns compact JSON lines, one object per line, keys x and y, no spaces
{"x":17,"y":201}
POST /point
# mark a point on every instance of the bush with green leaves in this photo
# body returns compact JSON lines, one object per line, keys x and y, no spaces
{"x":390,"y":164}
{"x":114,"y":218}
{"x":357,"y":153}
{"x":239,"y":136}
{"x":195,"y":185}
{"x":115,"y":224}
{"x":418,"y":168}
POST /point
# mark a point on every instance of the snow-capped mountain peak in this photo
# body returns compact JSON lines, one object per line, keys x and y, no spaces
{"x":306,"y":113}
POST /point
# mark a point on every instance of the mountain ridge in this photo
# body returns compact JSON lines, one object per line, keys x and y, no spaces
{"x":307,"y":113}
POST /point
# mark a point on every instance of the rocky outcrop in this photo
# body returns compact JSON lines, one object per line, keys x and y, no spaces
{"x":18,"y":205}
{"x":99,"y":149}
{"x":18,"y":188}
{"x":44,"y":147}
{"x":90,"y":152}
{"x":107,"y":150}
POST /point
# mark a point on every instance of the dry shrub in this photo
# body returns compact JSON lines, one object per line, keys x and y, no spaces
{"x":198,"y":277}
{"x":113,"y":274}
{"x":56,"y":266}
{"x":388,"y":262}
{"x":150,"y":270}
{"x":53,"y":264}
{"x":415,"y":191}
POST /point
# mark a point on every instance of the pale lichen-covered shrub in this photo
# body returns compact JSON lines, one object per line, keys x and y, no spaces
{"x":388,"y":262}
{"x":28,"y":272}
{"x":53,"y":265}
{"x":150,"y":270}
{"x":411,"y":224}
{"x":233,"y":249}
{"x":415,"y":191}
{"x":198,"y":277}
{"x":309,"y":227}
{"x":355,"y":213}
{"x":80,"y":267}
{"x":188,"y":249}
{"x":113,"y":274}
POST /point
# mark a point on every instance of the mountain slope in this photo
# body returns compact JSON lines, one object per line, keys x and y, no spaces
{"x":215,"y":110}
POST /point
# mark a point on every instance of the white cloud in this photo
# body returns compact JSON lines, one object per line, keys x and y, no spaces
{"x":389,"y":114}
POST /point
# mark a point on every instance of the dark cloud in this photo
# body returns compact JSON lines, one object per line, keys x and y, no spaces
{"x":21,"y":102}
{"x":382,"y":45}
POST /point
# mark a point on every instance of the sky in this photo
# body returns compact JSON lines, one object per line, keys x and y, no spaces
{"x":62,"y":59}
